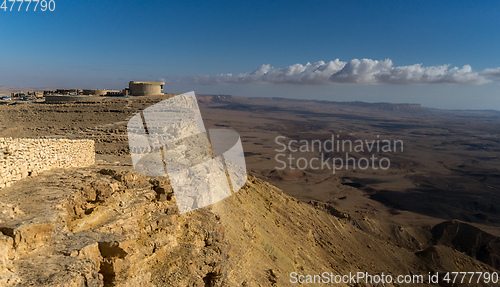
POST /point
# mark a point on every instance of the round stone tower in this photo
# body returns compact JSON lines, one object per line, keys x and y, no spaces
{"x":137,"y":88}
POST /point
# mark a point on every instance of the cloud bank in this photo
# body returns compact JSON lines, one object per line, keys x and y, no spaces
{"x":493,"y":74}
{"x":364,"y":71}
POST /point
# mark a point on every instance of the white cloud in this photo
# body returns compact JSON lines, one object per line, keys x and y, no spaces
{"x":364,"y":71}
{"x":493,"y":74}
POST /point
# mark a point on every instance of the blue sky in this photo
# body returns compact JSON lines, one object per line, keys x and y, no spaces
{"x":104,"y":44}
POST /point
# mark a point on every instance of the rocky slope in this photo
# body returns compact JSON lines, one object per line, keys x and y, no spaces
{"x":108,"y":226}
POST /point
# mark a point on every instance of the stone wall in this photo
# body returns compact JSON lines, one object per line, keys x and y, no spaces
{"x":65,"y":98}
{"x":23,"y":157}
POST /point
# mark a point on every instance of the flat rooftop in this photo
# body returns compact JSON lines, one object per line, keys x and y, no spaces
{"x":147,"y":82}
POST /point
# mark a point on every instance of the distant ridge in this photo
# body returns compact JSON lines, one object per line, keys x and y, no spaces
{"x":399,"y":107}
{"x":406,"y":108}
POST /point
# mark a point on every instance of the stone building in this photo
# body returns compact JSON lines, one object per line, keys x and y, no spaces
{"x":145,"y":88}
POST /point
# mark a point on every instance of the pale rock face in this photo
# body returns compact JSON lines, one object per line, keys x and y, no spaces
{"x":31,"y":234}
{"x":6,"y":251}
{"x":103,"y":227}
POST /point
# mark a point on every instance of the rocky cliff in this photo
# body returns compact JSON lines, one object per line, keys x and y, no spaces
{"x":108,"y":226}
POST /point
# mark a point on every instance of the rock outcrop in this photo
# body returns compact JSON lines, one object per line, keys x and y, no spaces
{"x":109,"y":226}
